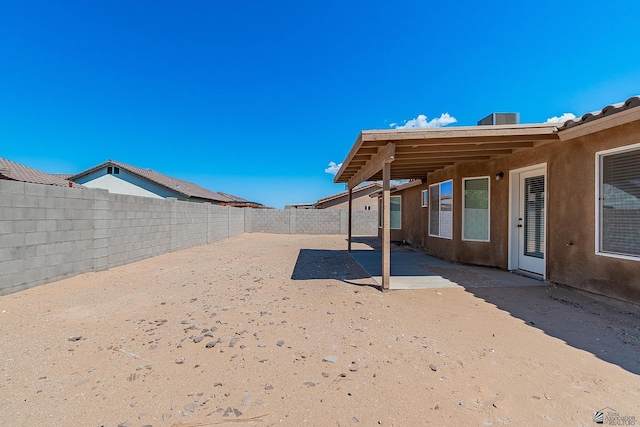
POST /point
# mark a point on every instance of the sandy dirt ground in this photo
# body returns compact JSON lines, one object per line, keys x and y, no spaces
{"x":287,"y":330}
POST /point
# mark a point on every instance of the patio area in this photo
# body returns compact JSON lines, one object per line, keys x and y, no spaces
{"x":414,"y":269}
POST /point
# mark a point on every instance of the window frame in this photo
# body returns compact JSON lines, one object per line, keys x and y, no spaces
{"x":399,"y":213}
{"x":488,"y":207}
{"x":439,"y":235}
{"x":424,"y":194}
{"x":599,"y":158}
{"x":380,"y":212}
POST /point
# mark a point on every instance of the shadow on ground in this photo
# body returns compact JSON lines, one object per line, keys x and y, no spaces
{"x":608,"y":329}
{"x":329,"y":264}
{"x":372,"y":241}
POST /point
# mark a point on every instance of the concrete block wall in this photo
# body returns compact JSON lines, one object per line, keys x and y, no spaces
{"x":236,"y":221}
{"x":315,"y":221}
{"x":267,"y":221}
{"x":364,"y":223}
{"x":191,"y":220}
{"x":218,"y":228}
{"x":138,"y":228}
{"x":310,"y":221}
{"x":48,"y":233}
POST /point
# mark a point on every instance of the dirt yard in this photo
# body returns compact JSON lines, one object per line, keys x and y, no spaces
{"x":287,"y":330}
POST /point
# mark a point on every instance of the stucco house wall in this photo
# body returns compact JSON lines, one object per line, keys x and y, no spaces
{"x":357,"y":203}
{"x":571,"y":257}
{"x":572,"y":218}
{"x":413,"y":218}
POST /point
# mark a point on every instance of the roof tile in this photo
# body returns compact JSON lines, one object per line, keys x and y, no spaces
{"x":632,"y":102}
{"x":18,"y":172}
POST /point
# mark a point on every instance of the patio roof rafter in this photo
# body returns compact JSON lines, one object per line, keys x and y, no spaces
{"x":374,"y":165}
{"x":420,"y":151}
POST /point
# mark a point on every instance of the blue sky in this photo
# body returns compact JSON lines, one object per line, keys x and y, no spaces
{"x":255,"y":98}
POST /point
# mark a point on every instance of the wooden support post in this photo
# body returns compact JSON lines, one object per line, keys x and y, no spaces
{"x":386,"y":226}
{"x":350,"y":213}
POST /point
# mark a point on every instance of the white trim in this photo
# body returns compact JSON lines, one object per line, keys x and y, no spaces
{"x":514,"y":195}
{"x":611,"y":255}
{"x":488,"y":208}
{"x":380,"y":212}
{"x":439,"y":184}
{"x":422,"y":199}
{"x":598,"y":212}
{"x":596,"y":227}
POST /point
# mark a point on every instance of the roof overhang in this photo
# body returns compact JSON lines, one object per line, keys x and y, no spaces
{"x":592,"y":123}
{"x":413,"y":153}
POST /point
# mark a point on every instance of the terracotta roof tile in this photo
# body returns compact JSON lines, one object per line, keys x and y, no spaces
{"x":632,"y":102}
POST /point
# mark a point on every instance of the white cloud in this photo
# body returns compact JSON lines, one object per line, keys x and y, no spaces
{"x":563,"y":118}
{"x":422,"y":122}
{"x":333,"y":168}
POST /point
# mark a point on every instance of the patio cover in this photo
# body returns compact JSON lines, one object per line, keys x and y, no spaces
{"x":414,"y":153}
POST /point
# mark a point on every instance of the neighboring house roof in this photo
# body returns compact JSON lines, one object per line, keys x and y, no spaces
{"x":186,"y":188}
{"x":399,"y":187}
{"x":301,"y":206}
{"x":632,"y":102}
{"x":370,"y":187}
{"x":234,"y":198}
{"x":17,"y":172}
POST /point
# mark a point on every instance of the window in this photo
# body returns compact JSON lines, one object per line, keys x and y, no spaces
{"x":441,"y":210}
{"x":618,"y":198}
{"x":116,"y":170}
{"x":425,"y":198}
{"x":396,"y":212}
{"x":367,"y":207}
{"x":395,"y":206}
{"x":109,"y":170}
{"x":475,"y":209}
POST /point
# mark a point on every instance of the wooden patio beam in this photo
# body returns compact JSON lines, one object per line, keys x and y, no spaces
{"x":384,"y":156}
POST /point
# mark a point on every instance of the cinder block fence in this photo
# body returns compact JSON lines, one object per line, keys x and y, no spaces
{"x":48,"y":233}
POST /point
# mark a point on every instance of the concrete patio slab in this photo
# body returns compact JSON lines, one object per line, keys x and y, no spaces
{"x":413,"y":269}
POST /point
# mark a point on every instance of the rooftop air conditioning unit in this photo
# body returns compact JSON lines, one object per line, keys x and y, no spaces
{"x":500,"y":119}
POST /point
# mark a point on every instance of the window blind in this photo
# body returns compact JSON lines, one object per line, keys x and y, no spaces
{"x":534,"y":216}
{"x":620,"y":203}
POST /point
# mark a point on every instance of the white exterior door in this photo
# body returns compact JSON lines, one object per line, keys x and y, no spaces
{"x":528,"y":220}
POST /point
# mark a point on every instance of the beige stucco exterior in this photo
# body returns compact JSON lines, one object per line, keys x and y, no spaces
{"x":571,"y":257}
{"x":359,"y":201}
